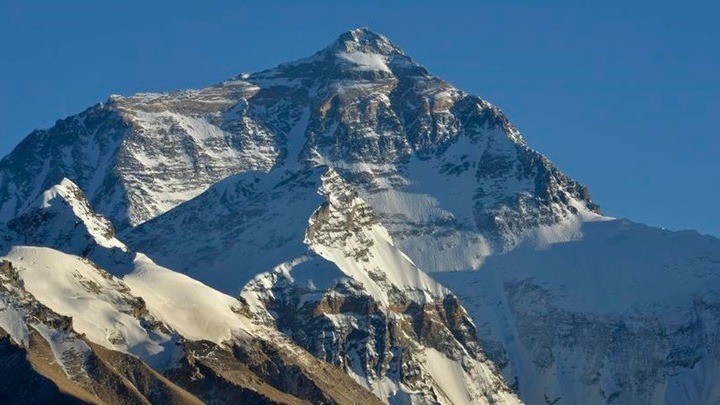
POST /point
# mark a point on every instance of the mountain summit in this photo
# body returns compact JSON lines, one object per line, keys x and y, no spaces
{"x":343,"y":228}
{"x":361,"y":50}
{"x":363,"y":40}
{"x":360,"y":100}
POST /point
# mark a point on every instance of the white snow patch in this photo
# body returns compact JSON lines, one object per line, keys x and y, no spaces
{"x":195,"y":310}
{"x":366,"y":61}
{"x":72,"y":286}
{"x":449,"y":376}
{"x":12,"y":321}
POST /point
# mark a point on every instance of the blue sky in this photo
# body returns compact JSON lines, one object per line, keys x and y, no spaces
{"x":624,"y":98}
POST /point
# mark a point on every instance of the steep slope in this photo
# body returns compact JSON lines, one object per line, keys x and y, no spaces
{"x":103,"y":308}
{"x":395,"y":133}
{"x":59,"y":207}
{"x":441,"y":168}
{"x":244,"y":225}
{"x":455,"y":185}
{"x":228,"y":355}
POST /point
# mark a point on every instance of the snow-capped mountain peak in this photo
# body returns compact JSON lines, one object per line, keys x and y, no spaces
{"x":359,"y":105}
{"x":357,"y":55}
{"x":363,"y":40}
{"x":61,"y":217}
{"x":67,"y":193}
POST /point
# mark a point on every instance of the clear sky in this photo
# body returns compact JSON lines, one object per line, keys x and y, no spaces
{"x":624,"y":98}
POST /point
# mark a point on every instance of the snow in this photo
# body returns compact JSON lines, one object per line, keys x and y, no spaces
{"x":12,"y":321}
{"x":183,"y":143}
{"x":195,"y":310}
{"x":449,"y":376}
{"x":383,"y":258}
{"x":388,"y":261}
{"x":450,"y":193}
{"x":336,"y":262}
{"x":365,"y":61}
{"x":240,"y":206}
{"x":431,"y":204}
{"x":296,"y":140}
{"x":384,"y":388}
{"x":426,"y":199}
{"x":68,"y":193}
{"x":199,"y":129}
{"x":338,"y":230}
{"x":617,"y":273}
{"x":315,"y":272}
{"x":591,"y":274}
{"x":98,"y":303}
{"x":308,"y":271}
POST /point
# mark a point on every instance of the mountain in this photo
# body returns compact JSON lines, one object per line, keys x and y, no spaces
{"x":344,"y":228}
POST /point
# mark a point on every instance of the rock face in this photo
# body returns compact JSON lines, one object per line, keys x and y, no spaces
{"x":335,"y":227}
